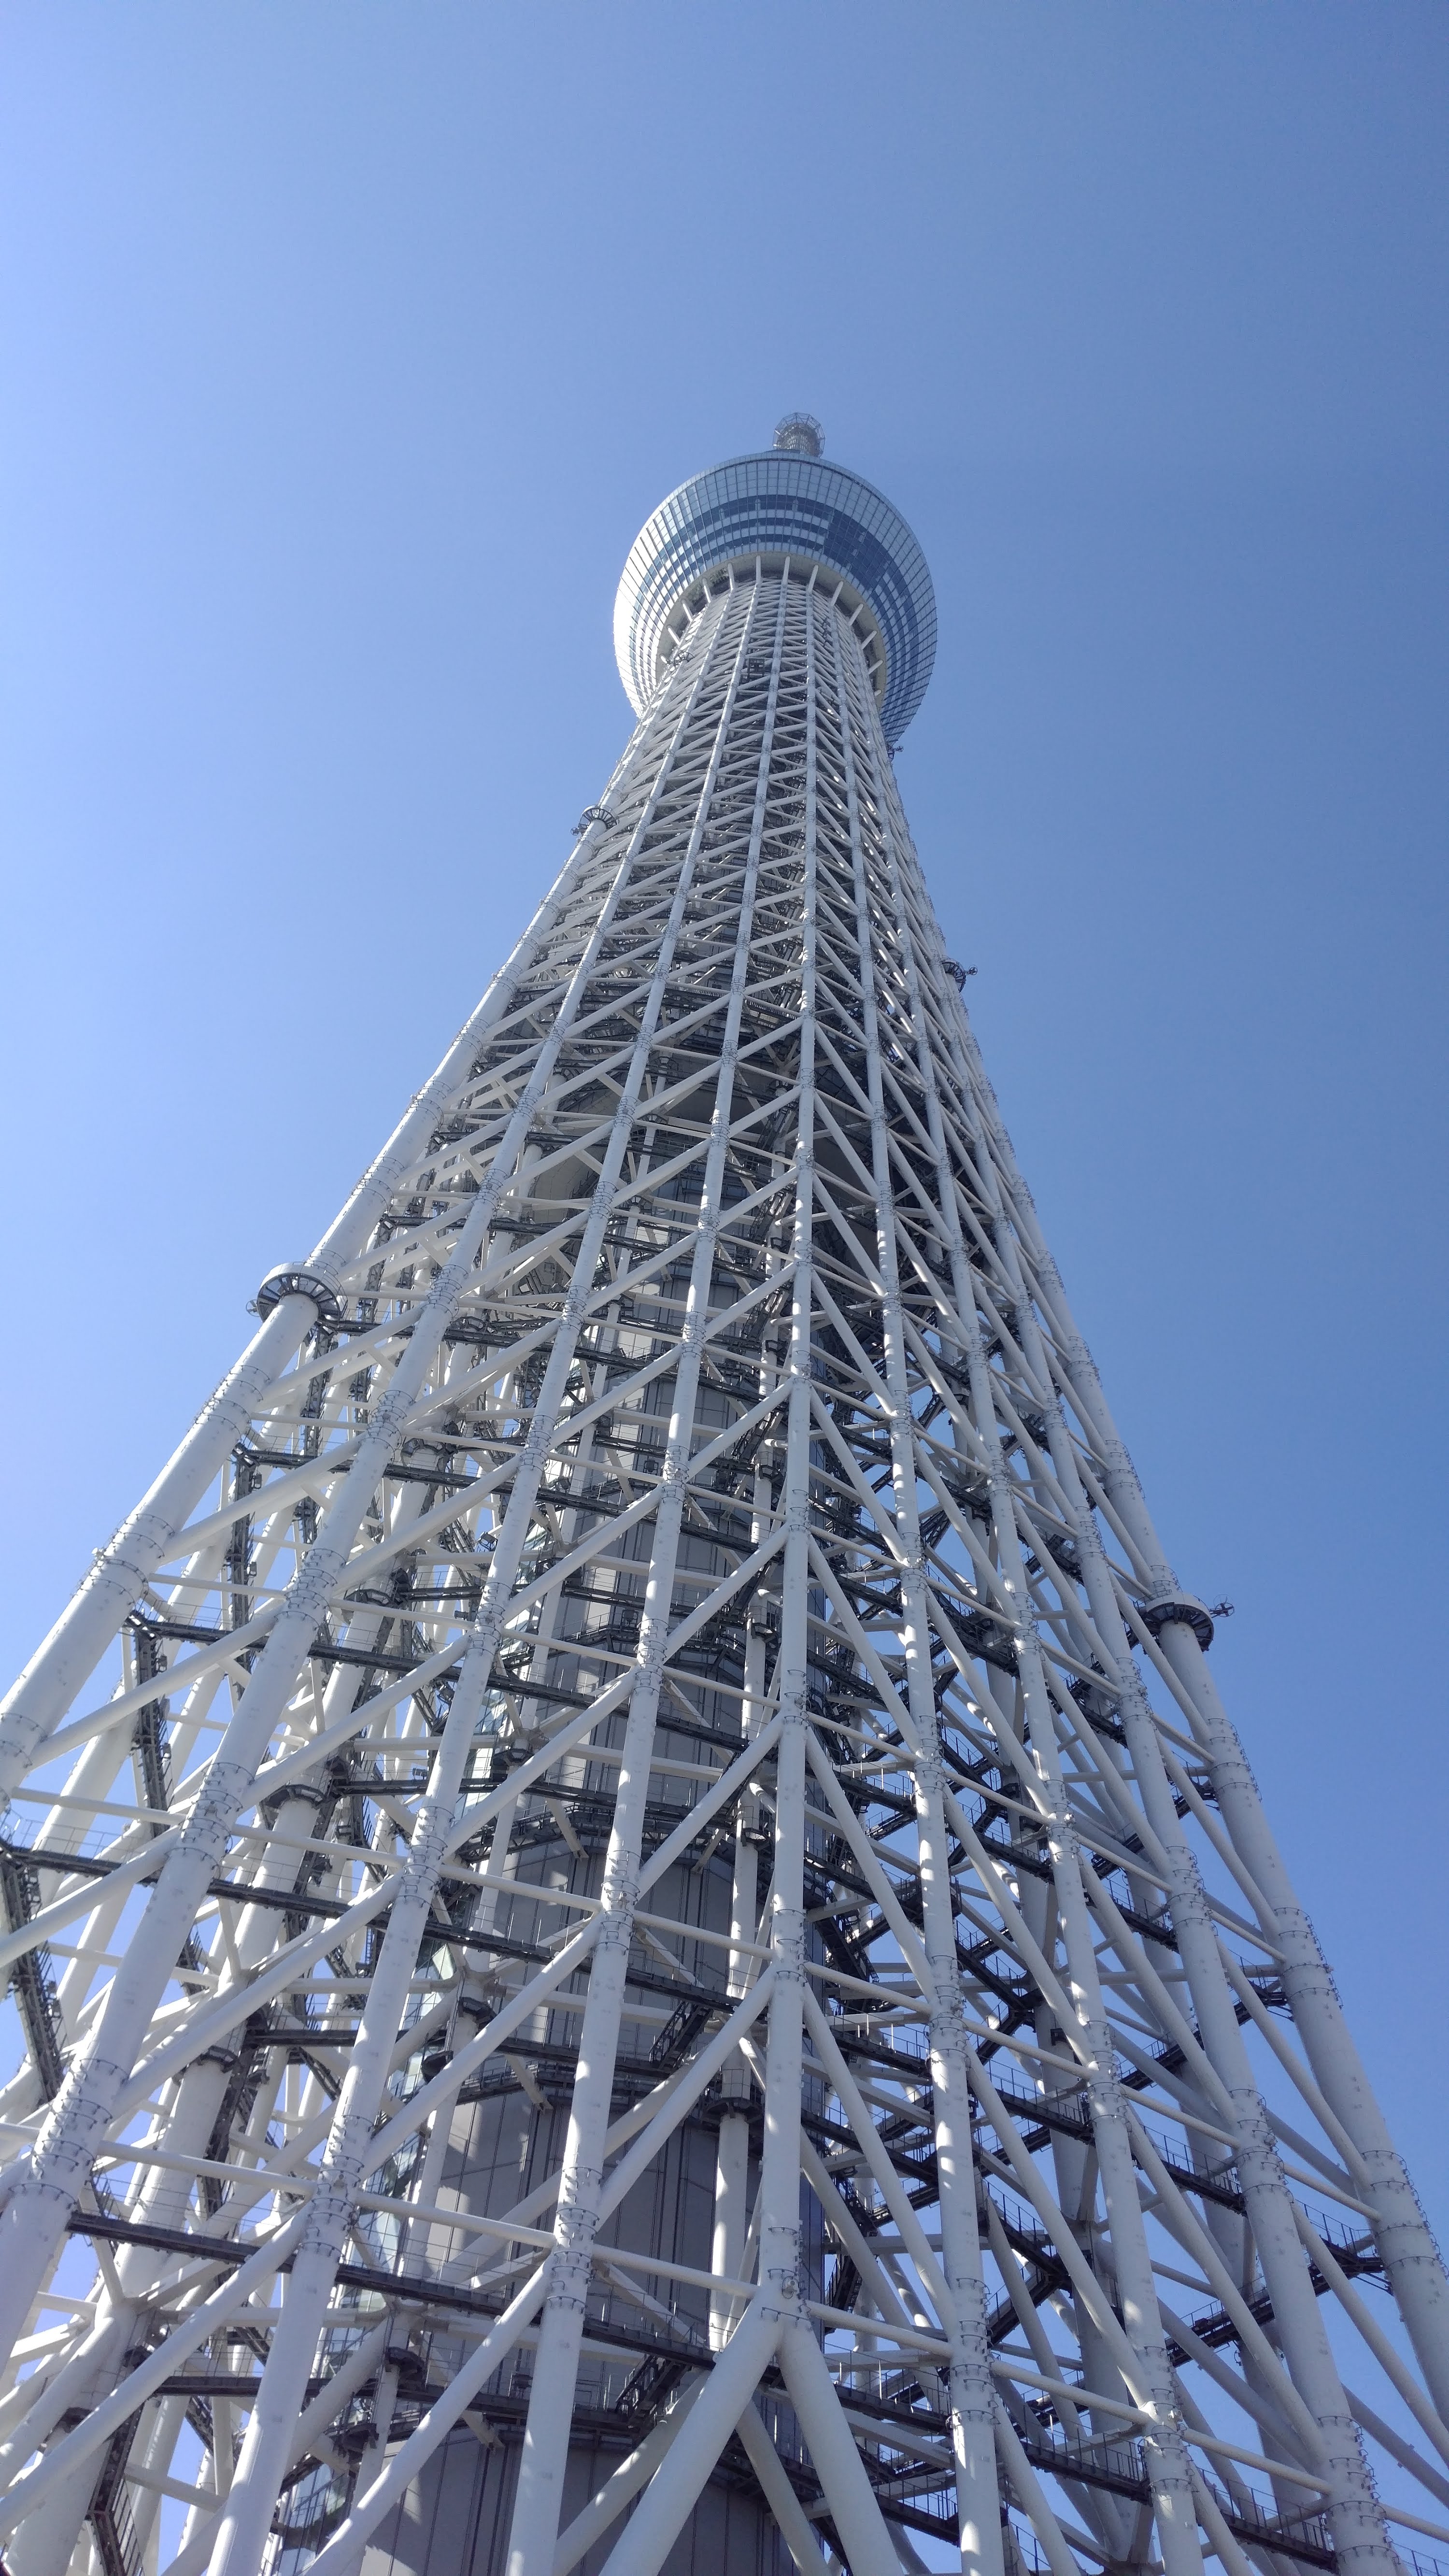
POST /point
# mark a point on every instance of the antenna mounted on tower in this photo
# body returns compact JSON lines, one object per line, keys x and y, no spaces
{"x":800,"y":434}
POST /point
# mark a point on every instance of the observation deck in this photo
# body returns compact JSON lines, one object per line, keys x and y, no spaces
{"x":786,"y":501}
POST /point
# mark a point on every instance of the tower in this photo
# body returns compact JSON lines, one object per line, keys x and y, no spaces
{"x":640,"y":1939}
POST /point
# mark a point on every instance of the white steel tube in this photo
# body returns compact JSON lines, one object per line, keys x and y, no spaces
{"x":545,"y":2450}
{"x":36,"y":2213}
{"x":247,"y":2514}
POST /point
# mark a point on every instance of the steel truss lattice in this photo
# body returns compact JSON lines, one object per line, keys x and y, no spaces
{"x":640,"y":1818}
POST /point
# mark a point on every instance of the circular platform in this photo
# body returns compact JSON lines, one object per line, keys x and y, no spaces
{"x":780,"y":503}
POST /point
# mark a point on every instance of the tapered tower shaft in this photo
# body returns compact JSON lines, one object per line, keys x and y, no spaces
{"x":637,"y":1937}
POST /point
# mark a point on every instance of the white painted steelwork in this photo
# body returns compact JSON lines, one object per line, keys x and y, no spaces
{"x":640,"y":1818}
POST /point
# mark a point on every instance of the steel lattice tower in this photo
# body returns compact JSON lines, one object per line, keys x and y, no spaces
{"x":640,"y":1938}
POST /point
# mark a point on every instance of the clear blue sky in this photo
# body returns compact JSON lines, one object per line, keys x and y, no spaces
{"x":346,"y":348}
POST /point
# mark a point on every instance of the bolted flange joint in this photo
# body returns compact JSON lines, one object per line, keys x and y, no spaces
{"x":290,"y":1280}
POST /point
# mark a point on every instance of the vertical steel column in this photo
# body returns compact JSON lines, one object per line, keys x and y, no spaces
{"x":248,"y":2510}
{"x":971,"y":2420}
{"x":545,"y":2452}
{"x":1410,"y":2253}
{"x":1169,"y":2465}
{"x":35,"y":2216}
{"x":1358,"y":2524}
{"x":33,"y":1705}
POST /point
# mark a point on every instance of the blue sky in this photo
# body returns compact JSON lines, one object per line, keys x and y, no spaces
{"x":345,"y":349}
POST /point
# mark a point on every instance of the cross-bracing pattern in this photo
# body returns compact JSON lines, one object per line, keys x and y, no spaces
{"x":656,"y":1915}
